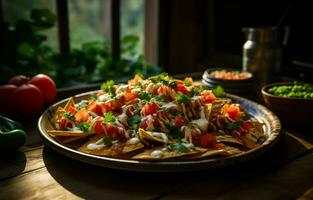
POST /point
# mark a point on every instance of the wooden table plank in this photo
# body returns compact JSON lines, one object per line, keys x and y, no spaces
{"x":72,"y":179}
{"x":288,"y":182}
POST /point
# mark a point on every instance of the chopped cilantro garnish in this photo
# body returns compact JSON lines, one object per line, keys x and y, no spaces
{"x":145,"y":96}
{"x":234,"y":125}
{"x":84,"y":127}
{"x":109,"y":117}
{"x":160,"y":98}
{"x":68,"y":115}
{"x":163,"y":78}
{"x":175,"y":132}
{"x":107,"y":141}
{"x":192,"y":92}
{"x":182,"y":98}
{"x":82,"y":104}
{"x":93,"y":97}
{"x":108,"y":87}
{"x":173,"y":84}
{"x":187,"y":81}
{"x":178,"y":147}
{"x":134,"y":120}
{"x":218,"y":91}
{"x":139,"y":84}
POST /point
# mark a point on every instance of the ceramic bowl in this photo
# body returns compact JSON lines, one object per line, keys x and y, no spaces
{"x":240,"y":87}
{"x":293,"y":112}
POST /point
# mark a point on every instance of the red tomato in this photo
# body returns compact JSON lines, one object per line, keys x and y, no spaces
{"x":179,"y":122}
{"x":46,"y":86}
{"x":207,"y":97}
{"x":150,"y":108}
{"x":232,"y":112}
{"x":18,"y":80}
{"x":64,"y":123}
{"x":246,"y":127}
{"x":130,"y":96}
{"x":144,"y":124}
{"x":94,"y":107}
{"x":28,"y":100}
{"x":98,"y":126}
{"x":7,"y":107}
{"x":181,"y":87}
{"x":208,"y":141}
{"x":82,"y":115}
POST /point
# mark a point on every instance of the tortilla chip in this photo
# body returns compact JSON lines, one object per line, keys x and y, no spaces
{"x":225,"y":151}
{"x":147,"y":135}
{"x":70,"y":103}
{"x":229,"y":140}
{"x":115,"y":150}
{"x":146,"y":155}
{"x":207,"y":110}
{"x":54,"y":133}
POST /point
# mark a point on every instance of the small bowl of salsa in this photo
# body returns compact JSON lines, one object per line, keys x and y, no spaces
{"x":292,"y":102}
{"x":232,"y":80}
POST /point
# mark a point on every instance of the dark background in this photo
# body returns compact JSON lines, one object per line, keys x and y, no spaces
{"x":199,"y":34}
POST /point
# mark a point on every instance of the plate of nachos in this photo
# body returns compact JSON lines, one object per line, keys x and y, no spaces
{"x":159,"y":124}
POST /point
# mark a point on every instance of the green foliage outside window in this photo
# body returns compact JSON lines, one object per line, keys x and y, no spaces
{"x":25,"y":52}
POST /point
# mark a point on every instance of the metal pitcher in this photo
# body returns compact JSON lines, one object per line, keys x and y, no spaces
{"x":262,"y":53}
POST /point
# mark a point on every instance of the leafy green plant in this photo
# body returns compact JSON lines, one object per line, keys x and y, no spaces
{"x":25,"y":52}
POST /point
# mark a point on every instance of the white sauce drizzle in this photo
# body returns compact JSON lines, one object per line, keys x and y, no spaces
{"x":104,"y":97}
{"x":202,"y":122}
{"x":160,"y":135}
{"x":133,"y":140}
{"x":157,"y":154}
{"x":97,"y":145}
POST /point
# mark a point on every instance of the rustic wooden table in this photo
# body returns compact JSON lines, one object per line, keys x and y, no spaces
{"x":38,"y":172}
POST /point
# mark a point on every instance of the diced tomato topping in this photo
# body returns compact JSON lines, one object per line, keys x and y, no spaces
{"x":130,"y":96}
{"x":208,"y":141}
{"x":113,"y":105}
{"x":179,"y":122}
{"x":181,"y":87}
{"x":150,"y":108}
{"x":246,"y":127}
{"x":94,"y":107}
{"x":144,"y":124}
{"x":72,"y":109}
{"x":232,"y":112}
{"x":208,"y":97}
{"x":82,"y":115}
{"x":64,"y":123}
{"x":98,"y":126}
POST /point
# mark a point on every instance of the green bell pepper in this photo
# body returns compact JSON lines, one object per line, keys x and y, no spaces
{"x":12,"y":135}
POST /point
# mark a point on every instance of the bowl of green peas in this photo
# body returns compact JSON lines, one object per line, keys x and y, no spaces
{"x":292,"y":102}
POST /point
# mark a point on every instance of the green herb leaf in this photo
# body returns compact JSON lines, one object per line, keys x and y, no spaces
{"x":178,"y":147}
{"x":182,"y":98}
{"x":175,"y":132}
{"x":93,"y":97}
{"x":82,"y":104}
{"x":192,"y":92}
{"x":108,"y":87}
{"x":163,"y":78}
{"x":187,"y":82}
{"x":234,"y":125}
{"x":145,"y":96}
{"x":109,"y":117}
{"x":134,"y":120}
{"x":173,"y":84}
{"x":107,"y":141}
{"x":68,"y":115}
{"x":84,"y":127}
{"x":160,"y":98}
{"x":218,"y":91}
